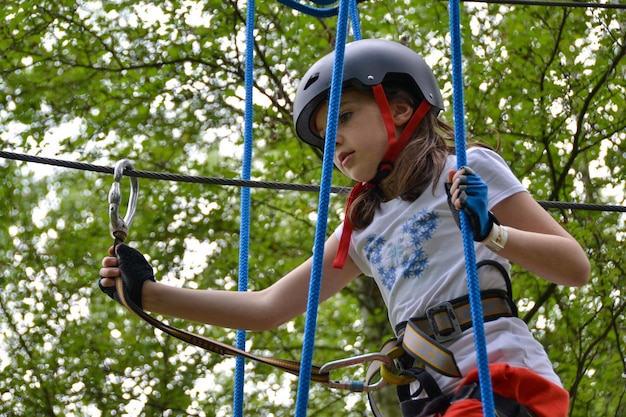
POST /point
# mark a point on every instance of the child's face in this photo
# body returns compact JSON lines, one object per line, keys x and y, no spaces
{"x":361,"y":135}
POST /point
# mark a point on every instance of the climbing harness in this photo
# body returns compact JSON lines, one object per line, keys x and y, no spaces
{"x":419,"y":345}
{"x":422,"y":337}
{"x":400,"y":362}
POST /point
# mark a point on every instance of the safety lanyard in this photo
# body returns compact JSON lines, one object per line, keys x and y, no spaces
{"x":119,"y":231}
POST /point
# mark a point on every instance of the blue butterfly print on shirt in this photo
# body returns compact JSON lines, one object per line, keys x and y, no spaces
{"x":402,"y":256}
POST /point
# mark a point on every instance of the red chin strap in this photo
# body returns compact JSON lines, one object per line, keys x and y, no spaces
{"x":396,"y":145}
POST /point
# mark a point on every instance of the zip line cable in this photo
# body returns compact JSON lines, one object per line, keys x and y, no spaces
{"x":168,"y":176}
{"x":323,"y":12}
{"x":285,"y":186}
{"x":551,"y":3}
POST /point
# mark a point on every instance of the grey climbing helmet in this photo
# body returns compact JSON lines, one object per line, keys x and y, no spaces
{"x":367,"y":62}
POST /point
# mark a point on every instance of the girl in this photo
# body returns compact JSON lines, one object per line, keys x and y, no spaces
{"x":400,"y":229}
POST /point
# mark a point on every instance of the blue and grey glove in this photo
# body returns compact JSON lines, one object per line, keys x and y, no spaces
{"x":473,"y":199}
{"x":134,"y":269}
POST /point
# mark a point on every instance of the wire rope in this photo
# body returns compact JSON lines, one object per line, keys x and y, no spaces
{"x":550,"y":3}
{"x":282,"y":186}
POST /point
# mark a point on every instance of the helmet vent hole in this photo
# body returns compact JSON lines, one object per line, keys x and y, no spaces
{"x":312,"y":80}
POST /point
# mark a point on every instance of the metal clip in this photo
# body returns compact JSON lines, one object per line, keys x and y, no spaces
{"x":443,"y":321}
{"x":356,"y":386}
{"x":118,"y":226}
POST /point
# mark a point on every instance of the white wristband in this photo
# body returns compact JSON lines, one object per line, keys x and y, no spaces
{"x":497,"y":238}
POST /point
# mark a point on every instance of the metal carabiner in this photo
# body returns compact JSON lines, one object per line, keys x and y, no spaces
{"x":118,"y":226}
{"x":356,"y":386}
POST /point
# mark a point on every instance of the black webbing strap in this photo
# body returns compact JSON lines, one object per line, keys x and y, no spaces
{"x":440,"y":321}
{"x":211,"y":345}
{"x":505,"y":407}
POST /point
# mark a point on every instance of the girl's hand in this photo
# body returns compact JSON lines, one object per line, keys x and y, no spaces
{"x":132,"y":266}
{"x":468,"y":192}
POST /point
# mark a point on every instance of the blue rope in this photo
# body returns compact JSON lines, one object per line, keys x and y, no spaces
{"x":323,"y":2}
{"x":354,"y":18}
{"x":468,"y":243}
{"x":324,"y":197}
{"x":244,"y":233}
{"x":311,"y":11}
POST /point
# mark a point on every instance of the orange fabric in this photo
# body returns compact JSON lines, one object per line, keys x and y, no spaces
{"x":542,"y":397}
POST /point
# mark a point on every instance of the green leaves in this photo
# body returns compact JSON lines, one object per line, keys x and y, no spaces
{"x":161,"y":83}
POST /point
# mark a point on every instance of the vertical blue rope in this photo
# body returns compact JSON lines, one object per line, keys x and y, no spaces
{"x":324,"y":197}
{"x":354,"y":18}
{"x":468,"y":243}
{"x":244,"y":230}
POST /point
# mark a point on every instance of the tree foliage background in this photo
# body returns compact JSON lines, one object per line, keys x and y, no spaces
{"x":161,"y":83}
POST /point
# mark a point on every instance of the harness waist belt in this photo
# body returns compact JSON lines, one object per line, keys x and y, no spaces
{"x":422,"y":337}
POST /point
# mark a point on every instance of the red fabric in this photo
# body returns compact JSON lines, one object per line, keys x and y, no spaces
{"x":542,"y":397}
{"x":344,"y":243}
{"x":385,"y":111}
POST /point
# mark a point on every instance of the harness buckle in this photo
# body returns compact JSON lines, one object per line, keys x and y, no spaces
{"x":443,"y":322}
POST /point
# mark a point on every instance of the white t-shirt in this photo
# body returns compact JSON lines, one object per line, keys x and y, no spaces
{"x":414,"y":252}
